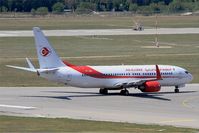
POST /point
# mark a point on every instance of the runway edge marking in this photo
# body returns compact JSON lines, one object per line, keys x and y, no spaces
{"x":17,"y":106}
{"x":177,"y":120}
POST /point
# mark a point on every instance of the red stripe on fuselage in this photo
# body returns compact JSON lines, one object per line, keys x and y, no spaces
{"x":86,"y":70}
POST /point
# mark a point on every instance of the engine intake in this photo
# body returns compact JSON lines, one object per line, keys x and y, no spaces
{"x":150,"y":86}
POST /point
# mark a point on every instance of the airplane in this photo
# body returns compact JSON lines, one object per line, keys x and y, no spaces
{"x":147,"y":78}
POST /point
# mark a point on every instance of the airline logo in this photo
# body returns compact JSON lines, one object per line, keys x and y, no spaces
{"x":45,"y":51}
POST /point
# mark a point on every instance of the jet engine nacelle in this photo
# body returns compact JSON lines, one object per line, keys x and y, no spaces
{"x":150,"y":86}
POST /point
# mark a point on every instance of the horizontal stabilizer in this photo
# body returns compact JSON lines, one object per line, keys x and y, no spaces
{"x":47,"y":70}
{"x":34,"y":70}
{"x":30,"y":69}
{"x":23,"y":68}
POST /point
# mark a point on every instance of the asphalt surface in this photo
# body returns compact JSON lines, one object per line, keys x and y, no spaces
{"x":91,"y":32}
{"x":165,"y":107}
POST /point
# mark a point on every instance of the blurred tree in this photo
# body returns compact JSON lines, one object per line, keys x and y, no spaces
{"x":86,"y":7}
{"x":71,"y":4}
{"x":101,"y":5}
{"x":176,"y":6}
{"x":58,"y":7}
{"x":133,"y":7}
{"x":42,"y":11}
{"x":33,"y":11}
{"x":3,"y":9}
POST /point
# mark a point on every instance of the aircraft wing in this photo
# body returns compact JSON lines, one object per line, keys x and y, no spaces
{"x":135,"y":83}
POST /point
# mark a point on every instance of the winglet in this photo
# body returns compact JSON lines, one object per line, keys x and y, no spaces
{"x":159,"y":77}
{"x":30,"y":63}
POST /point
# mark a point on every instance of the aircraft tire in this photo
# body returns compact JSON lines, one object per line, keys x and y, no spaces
{"x":177,"y":90}
{"x":124,"y":92}
{"x":103,"y":91}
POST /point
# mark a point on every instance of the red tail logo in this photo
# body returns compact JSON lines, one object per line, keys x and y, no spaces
{"x":45,"y":51}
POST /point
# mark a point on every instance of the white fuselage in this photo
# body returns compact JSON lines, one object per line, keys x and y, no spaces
{"x":110,"y":76}
{"x":147,"y":78}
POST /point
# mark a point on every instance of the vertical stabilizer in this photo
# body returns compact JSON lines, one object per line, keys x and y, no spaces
{"x":46,"y":54}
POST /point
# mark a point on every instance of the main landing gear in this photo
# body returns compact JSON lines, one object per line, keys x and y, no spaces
{"x":103,"y":91}
{"x":176,"y":89}
{"x":124,"y":92}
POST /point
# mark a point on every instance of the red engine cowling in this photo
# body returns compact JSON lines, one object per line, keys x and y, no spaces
{"x":150,"y":86}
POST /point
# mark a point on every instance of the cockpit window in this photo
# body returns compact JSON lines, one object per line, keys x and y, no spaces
{"x":186,"y":72}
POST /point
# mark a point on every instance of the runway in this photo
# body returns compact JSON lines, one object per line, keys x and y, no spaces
{"x":164,"y":108}
{"x":91,"y":32}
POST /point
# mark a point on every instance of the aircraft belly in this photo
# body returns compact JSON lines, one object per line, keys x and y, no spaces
{"x":50,"y":76}
{"x":90,"y":82}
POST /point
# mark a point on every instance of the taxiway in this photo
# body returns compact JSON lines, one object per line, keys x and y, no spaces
{"x":93,"y":32}
{"x":164,"y":108}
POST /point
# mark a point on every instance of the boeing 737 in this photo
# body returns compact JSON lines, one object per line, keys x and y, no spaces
{"x":147,"y":78}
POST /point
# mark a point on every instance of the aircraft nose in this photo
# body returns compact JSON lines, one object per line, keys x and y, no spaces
{"x":190,"y":77}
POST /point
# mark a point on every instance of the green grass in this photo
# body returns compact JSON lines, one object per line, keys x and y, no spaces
{"x":96,"y":22}
{"x":184,"y":52}
{"x":27,"y":124}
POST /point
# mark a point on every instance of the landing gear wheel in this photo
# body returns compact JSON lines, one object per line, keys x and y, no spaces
{"x":124,"y":92}
{"x":103,"y":91}
{"x":177,"y":90}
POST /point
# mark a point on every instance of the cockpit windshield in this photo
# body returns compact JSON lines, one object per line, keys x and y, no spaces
{"x":186,"y":72}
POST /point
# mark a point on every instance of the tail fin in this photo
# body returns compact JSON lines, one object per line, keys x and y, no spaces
{"x":46,"y":54}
